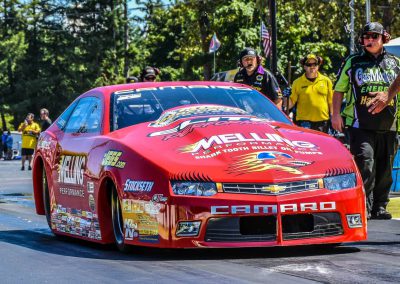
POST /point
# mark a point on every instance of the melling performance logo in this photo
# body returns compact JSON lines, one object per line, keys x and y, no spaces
{"x":188,"y":126}
{"x":239,"y":142}
{"x":71,"y":169}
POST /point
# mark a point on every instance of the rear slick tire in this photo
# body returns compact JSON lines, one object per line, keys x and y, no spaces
{"x":118,"y":222}
{"x":46,"y":198}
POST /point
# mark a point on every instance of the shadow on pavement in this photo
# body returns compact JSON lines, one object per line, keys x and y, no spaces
{"x":43,"y":240}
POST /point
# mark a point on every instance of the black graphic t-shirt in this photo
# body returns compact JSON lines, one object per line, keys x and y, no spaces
{"x":361,"y":74}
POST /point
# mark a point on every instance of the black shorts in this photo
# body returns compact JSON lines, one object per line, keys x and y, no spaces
{"x":27,"y":152}
{"x":322,"y":126}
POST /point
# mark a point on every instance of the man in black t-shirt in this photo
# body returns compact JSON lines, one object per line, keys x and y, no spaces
{"x":44,"y":117}
{"x":254,"y":75}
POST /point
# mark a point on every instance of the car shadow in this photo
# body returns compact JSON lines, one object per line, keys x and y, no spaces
{"x":43,"y":240}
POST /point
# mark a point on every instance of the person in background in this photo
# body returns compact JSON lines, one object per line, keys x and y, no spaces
{"x":253,"y":74}
{"x":149,"y":74}
{"x":372,"y":128}
{"x":30,"y":130}
{"x":9,"y":142}
{"x":3,"y":144}
{"x":131,"y":79}
{"x":45,"y":120}
{"x":312,"y":93}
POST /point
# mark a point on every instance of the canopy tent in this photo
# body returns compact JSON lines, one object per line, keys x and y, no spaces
{"x":393,"y":46}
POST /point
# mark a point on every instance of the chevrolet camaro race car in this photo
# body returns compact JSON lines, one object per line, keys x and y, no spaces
{"x":193,"y":164}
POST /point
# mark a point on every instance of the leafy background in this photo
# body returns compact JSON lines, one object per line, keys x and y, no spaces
{"x":52,"y":51}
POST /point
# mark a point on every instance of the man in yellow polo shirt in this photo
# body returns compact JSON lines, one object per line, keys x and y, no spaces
{"x":313,"y":94}
{"x":30,"y":130}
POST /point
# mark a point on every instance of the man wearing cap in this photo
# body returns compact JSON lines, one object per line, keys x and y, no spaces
{"x":149,"y":74}
{"x":254,"y":75}
{"x":312,"y":93}
{"x":372,"y":136}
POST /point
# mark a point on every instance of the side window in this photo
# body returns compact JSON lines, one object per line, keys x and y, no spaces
{"x":93,"y":122}
{"x":135,"y":109}
{"x":86,"y":117}
{"x":63,"y":118}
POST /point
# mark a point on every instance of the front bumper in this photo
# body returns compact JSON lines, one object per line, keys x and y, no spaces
{"x":237,"y":220}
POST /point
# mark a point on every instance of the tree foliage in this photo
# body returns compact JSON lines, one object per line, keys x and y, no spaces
{"x":53,"y":50}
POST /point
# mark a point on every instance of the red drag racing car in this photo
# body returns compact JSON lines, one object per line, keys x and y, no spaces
{"x":193,"y":164}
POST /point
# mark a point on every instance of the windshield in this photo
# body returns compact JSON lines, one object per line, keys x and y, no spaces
{"x":147,"y":104}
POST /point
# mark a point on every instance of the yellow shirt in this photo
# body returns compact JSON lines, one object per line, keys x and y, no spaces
{"x":313,"y":98}
{"x":29,"y":139}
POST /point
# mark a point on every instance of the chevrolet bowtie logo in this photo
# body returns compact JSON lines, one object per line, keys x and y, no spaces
{"x":273,"y":188}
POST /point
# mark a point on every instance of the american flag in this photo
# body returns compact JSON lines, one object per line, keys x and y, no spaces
{"x":266,"y":40}
{"x":214,"y":44}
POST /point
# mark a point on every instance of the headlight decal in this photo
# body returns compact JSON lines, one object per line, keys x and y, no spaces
{"x":194,"y":188}
{"x":340,"y":182}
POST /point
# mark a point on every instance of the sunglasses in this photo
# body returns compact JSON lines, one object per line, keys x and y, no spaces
{"x":311,"y":64}
{"x":373,"y":36}
{"x":150,"y":78}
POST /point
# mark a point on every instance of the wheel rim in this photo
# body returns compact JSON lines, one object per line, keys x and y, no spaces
{"x":118,"y":224}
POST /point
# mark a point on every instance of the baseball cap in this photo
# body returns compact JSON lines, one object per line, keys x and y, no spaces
{"x":311,"y":57}
{"x":248,"y":51}
{"x":373,"y":27}
{"x":149,"y":72}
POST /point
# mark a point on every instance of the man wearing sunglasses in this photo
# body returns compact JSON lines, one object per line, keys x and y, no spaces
{"x":373,"y":136}
{"x":253,"y":74}
{"x":312,"y":93}
{"x":149,"y":74}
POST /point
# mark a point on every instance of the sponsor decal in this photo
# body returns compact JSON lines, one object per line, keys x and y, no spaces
{"x":129,"y":96}
{"x":390,"y":63}
{"x":92,"y":203}
{"x":169,"y":117}
{"x":182,"y":87}
{"x":207,"y":143}
{"x":140,"y":219}
{"x":138,"y":186}
{"x":71,"y":169}
{"x":159,"y":198}
{"x":75,"y":222}
{"x":131,"y":229}
{"x":148,"y":228}
{"x":140,"y":206}
{"x":365,"y":100}
{"x":273,"y":208}
{"x":44,"y":144}
{"x":72,"y":192}
{"x":90,"y":187}
{"x":374,"y":75}
{"x":263,"y":161}
{"x":188,"y":126}
{"x":216,"y":145}
{"x":259,"y":77}
{"x":132,"y":206}
{"x":111,"y":158}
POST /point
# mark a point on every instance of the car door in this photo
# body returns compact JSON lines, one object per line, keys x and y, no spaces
{"x":73,"y":181}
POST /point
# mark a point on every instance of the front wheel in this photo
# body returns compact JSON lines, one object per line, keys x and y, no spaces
{"x":118,"y":222}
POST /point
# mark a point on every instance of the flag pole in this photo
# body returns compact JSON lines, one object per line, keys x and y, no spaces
{"x":214,"y":62}
{"x":274,"y":59}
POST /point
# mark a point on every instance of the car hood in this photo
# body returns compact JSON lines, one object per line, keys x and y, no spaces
{"x":237,"y":148}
